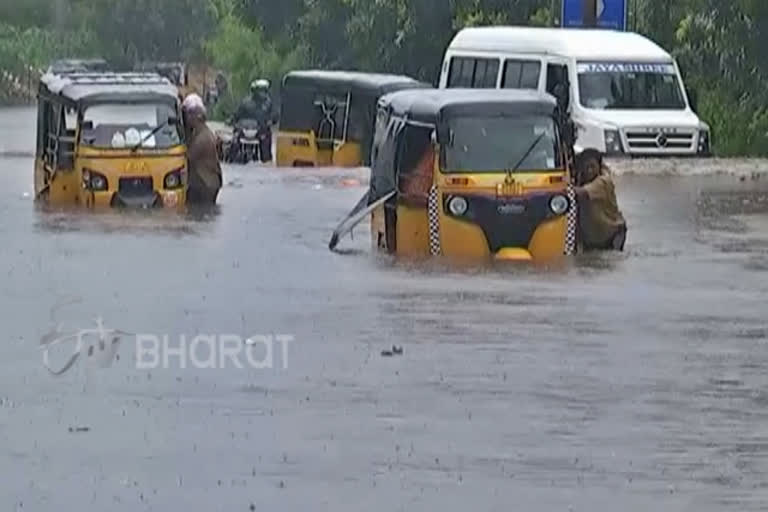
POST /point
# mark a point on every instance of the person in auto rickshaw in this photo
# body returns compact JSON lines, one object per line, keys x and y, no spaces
{"x":601,"y":224}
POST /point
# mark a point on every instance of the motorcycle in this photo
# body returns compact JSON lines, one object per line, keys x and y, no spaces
{"x":251,"y":141}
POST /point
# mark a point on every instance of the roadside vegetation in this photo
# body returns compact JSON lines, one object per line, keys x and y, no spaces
{"x":718,"y":44}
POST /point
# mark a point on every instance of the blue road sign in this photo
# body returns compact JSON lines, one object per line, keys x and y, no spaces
{"x":610,"y":13}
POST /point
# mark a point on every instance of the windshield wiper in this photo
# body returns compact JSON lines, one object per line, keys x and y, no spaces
{"x":150,"y":135}
{"x":527,"y":154}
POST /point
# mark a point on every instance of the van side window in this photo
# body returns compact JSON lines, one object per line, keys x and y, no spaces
{"x":473,"y":73}
{"x":521,"y":74}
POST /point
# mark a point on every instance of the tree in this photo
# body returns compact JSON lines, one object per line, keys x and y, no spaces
{"x":135,"y":30}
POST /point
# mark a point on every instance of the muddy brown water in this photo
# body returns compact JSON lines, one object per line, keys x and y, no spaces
{"x":633,"y":381}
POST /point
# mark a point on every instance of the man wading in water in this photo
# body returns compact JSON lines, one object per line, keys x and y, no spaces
{"x":205,"y":178}
{"x":601,"y":223}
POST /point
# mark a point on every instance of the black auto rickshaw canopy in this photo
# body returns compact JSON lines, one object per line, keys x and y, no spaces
{"x":414,"y":116}
{"x":348,"y":96}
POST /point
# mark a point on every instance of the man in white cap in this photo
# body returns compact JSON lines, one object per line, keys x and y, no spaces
{"x":205,"y":177}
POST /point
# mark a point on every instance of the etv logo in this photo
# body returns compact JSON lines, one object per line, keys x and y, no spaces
{"x":99,"y":344}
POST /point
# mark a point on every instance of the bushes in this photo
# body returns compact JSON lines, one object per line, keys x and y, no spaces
{"x":243,"y":51}
{"x":24,"y":52}
{"x":720,"y":45}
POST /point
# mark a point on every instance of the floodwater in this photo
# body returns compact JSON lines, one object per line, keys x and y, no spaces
{"x":632,"y":381}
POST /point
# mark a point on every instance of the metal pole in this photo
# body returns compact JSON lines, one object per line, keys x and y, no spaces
{"x":553,"y":13}
{"x":590,"y":13}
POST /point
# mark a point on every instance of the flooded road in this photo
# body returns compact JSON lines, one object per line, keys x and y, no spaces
{"x":633,"y":381}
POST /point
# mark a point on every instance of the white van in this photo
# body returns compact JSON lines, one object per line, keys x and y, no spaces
{"x":626,"y":93}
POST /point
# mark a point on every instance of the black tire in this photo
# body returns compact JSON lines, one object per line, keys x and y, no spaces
{"x":266,"y":153}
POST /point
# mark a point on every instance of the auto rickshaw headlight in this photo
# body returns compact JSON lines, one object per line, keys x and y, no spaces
{"x":559,"y":204}
{"x":458,"y":206}
{"x":173,"y":179}
{"x":95,"y":181}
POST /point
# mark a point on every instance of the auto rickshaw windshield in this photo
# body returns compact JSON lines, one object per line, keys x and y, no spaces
{"x":119,"y":126}
{"x":498,"y":144}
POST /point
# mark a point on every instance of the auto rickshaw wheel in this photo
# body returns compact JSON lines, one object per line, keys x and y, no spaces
{"x":265,"y":154}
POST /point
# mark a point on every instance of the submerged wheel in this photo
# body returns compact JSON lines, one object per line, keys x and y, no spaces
{"x":266,"y":155}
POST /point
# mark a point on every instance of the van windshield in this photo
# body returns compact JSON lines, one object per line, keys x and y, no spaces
{"x":118,"y":126}
{"x":629,"y":86}
{"x":496,"y":144}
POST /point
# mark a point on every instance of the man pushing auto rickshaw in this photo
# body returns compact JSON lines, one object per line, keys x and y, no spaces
{"x":601,"y":224}
{"x":205,"y":178}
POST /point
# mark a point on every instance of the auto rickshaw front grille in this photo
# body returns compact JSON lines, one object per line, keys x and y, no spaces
{"x":135,"y":186}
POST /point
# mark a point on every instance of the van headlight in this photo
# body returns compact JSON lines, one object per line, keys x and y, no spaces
{"x":559,"y":204}
{"x":613,"y":141}
{"x":458,"y":206}
{"x":704,"y":142}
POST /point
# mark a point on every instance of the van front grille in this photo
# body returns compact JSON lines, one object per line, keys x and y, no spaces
{"x":660,"y":140}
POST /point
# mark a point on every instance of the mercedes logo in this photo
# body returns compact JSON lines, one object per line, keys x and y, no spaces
{"x":661,"y":140}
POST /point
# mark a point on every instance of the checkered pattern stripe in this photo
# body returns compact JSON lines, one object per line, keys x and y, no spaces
{"x":433,"y":212}
{"x":572,"y":222}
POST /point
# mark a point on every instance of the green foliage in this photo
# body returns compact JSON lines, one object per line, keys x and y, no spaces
{"x":35,"y":47}
{"x":135,"y":30}
{"x":720,"y":45}
{"x":242,"y":50}
{"x":26,"y":13}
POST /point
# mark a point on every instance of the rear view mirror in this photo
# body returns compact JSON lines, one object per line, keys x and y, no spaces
{"x":173,"y":120}
{"x":87,"y":126}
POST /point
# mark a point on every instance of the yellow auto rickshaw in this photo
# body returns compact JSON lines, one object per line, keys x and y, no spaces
{"x":109,"y":139}
{"x":471,"y":175}
{"x":327,"y":117}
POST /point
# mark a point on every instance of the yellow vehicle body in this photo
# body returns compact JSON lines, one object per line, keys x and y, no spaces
{"x":327,"y":117}
{"x":463,"y":240}
{"x":70,"y":172}
{"x":301,"y":149}
{"x":523,"y":216}
{"x":66,"y":188}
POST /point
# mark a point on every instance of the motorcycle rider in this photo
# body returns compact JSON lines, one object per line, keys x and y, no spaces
{"x":258,"y":107}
